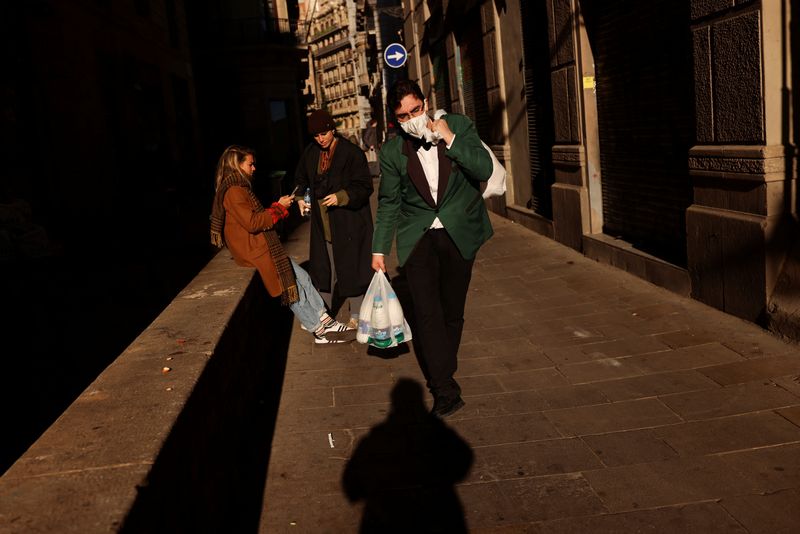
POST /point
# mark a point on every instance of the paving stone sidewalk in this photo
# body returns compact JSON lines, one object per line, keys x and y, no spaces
{"x":595,"y":402}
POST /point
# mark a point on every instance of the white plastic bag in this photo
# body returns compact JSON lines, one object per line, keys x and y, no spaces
{"x":496,"y":184}
{"x":381,"y":322}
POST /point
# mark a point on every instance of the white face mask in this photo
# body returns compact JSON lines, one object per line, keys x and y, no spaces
{"x":418,"y":127}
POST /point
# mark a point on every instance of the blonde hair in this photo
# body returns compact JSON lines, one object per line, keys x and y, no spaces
{"x":230,"y":163}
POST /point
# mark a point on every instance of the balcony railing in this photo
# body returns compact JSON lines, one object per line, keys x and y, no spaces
{"x":324,"y":32}
{"x":254,"y":31}
{"x":344,"y":42}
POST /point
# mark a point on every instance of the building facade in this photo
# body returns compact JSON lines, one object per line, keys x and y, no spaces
{"x":341,"y":50}
{"x":251,"y":67}
{"x":667,"y":149}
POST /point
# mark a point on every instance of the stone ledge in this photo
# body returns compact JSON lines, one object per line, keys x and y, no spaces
{"x":739,"y":176}
{"x":740,"y":162}
{"x":739,"y":165}
{"x":569,"y":154}
{"x":739,"y":151}
{"x":530,"y":220}
{"x":158,"y":440}
{"x":623,"y":255}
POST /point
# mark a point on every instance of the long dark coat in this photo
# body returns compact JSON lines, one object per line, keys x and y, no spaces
{"x":351,"y":225}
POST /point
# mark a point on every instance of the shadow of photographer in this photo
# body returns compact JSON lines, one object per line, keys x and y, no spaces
{"x":406,"y":468}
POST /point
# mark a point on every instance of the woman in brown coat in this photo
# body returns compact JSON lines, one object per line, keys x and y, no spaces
{"x":240,"y":222}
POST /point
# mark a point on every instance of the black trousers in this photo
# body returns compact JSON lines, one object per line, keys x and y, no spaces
{"x":438,"y":279}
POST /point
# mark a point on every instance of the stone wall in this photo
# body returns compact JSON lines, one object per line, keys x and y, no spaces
{"x":740,"y":224}
{"x":175,"y":434}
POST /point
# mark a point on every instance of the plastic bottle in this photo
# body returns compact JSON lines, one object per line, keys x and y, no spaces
{"x":307,"y":200}
{"x":364,"y":321}
{"x":381,"y":326}
{"x":395,"y":316}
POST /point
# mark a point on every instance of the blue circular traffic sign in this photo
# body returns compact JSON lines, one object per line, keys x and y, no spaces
{"x":395,"y":55}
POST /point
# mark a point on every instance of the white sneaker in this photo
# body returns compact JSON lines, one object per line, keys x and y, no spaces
{"x":322,"y":340}
{"x":337,"y":327}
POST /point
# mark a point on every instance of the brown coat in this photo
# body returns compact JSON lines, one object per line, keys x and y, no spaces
{"x":245,"y":239}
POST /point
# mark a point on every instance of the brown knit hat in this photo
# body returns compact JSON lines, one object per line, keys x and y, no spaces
{"x":320,"y":121}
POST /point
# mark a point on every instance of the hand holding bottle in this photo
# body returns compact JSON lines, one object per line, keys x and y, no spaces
{"x":305,"y":204}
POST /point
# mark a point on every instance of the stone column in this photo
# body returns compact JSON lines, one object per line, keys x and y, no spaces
{"x":572,"y":75}
{"x":741,"y":165}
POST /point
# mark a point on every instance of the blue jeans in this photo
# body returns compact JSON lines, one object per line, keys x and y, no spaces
{"x":310,"y":306}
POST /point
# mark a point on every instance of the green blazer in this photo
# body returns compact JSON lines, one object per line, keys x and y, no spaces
{"x":405,"y":204}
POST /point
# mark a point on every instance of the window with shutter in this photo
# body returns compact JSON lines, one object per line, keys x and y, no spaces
{"x":473,"y":68}
{"x":539,"y":105}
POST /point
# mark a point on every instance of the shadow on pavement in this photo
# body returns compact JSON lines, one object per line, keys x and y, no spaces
{"x":406,"y":468}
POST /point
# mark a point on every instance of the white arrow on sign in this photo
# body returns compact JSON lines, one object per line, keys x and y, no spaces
{"x":395,"y":55}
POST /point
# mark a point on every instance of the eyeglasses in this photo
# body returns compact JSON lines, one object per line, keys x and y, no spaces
{"x":403,"y":117}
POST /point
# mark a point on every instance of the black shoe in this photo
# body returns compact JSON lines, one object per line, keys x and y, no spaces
{"x":446,"y":406}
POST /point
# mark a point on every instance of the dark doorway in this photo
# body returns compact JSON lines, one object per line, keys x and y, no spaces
{"x":645,"y":106}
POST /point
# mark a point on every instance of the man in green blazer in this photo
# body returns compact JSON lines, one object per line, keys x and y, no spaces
{"x":430,"y":198}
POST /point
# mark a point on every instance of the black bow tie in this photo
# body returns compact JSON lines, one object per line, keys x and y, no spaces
{"x":423,"y":145}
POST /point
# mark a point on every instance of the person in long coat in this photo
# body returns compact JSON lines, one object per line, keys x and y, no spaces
{"x":336,"y":172}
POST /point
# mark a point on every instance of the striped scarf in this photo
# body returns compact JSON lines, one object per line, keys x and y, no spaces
{"x":326,"y":156}
{"x":289,"y":293}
